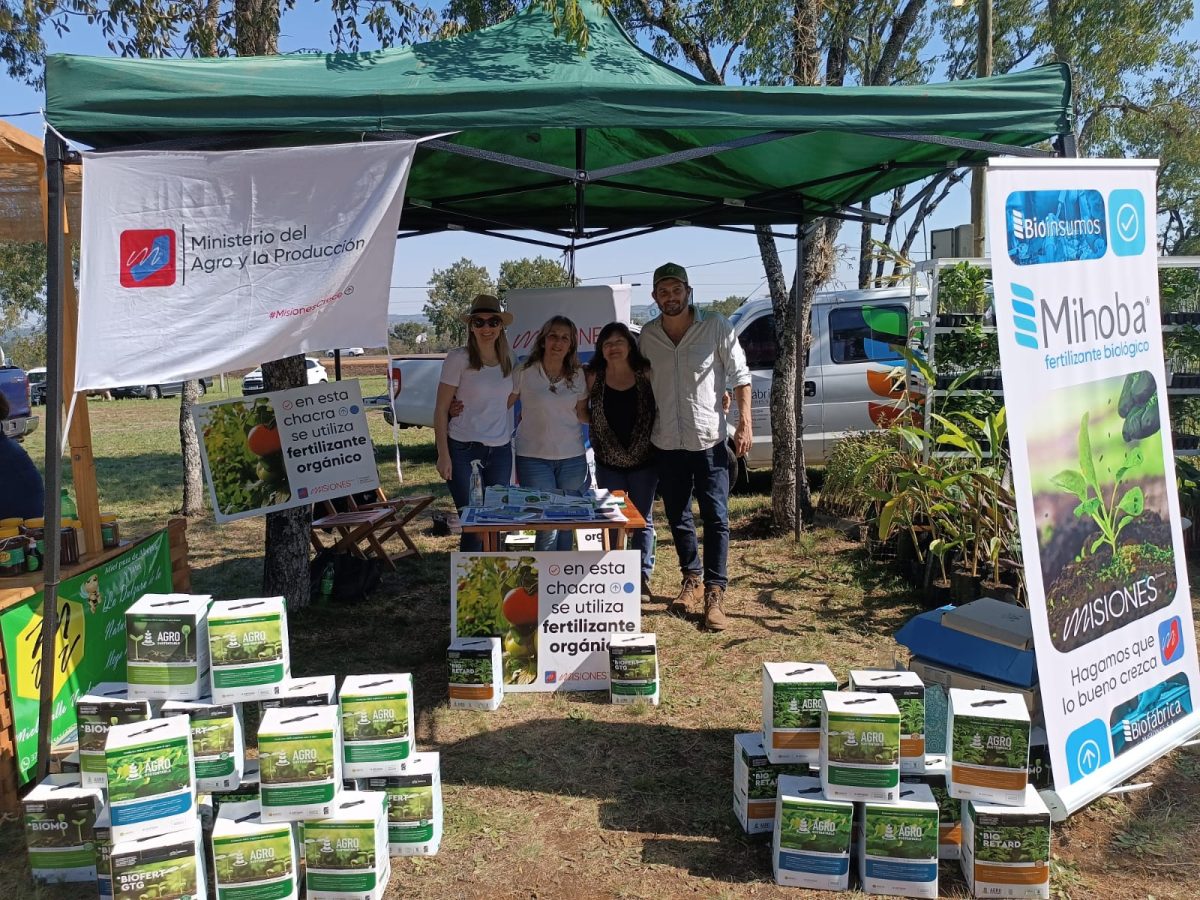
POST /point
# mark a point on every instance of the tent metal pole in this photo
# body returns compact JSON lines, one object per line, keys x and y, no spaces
{"x":337,"y":365}
{"x":580,"y":186}
{"x":800,"y":329}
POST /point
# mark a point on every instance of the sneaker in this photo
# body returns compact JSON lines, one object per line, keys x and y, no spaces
{"x":689,"y":596}
{"x":714,"y":616}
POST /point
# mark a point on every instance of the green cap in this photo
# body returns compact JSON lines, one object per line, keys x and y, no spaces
{"x":670,"y":270}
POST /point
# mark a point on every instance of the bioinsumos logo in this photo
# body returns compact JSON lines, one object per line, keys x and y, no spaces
{"x":1055,"y":226}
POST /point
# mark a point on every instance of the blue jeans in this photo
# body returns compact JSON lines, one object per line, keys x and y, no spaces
{"x":705,"y":473}
{"x":639,"y":485}
{"x":568,"y":475}
{"x":497,"y":469}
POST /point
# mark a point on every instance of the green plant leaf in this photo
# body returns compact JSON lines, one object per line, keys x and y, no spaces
{"x":886,"y":515}
{"x":1088,"y":507}
{"x":1096,"y":544}
{"x":1071,"y":482}
{"x":1086,"y":465}
{"x":1133,"y":502}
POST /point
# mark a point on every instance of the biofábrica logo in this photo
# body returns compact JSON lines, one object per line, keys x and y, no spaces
{"x":1150,"y":713}
{"x":147,"y":257}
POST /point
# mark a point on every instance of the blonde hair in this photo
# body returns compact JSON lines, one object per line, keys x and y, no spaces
{"x":503,"y":351}
{"x":571,"y":363}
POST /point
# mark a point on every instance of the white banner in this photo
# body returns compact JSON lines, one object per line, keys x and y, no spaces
{"x":590,"y":308}
{"x":1077,"y":310}
{"x":286,"y":448}
{"x":201,"y":262}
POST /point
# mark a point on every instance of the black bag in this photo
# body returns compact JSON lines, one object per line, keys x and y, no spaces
{"x":354,"y":578}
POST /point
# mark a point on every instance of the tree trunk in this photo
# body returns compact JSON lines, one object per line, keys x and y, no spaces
{"x":783,"y":389}
{"x":285,"y":565}
{"x":193,"y":479}
{"x":864,"y":251}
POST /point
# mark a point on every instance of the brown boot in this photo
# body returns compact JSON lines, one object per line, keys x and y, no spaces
{"x":714,"y":616}
{"x":689,"y":596}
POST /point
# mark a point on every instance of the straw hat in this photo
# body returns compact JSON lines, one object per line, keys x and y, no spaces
{"x":487,"y":305}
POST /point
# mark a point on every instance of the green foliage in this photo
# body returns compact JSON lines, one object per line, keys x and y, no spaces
{"x":450,"y":294}
{"x":963,"y":288}
{"x":539,"y":272}
{"x":855,"y":472}
{"x":22,"y":289}
{"x":728,"y":306}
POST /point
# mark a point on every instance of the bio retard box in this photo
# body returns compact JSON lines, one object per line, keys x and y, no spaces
{"x":897,"y":846}
{"x":165,"y":866}
{"x":166,"y":642}
{"x":217,"y":748}
{"x":908,"y":691}
{"x":151,"y":780}
{"x":860,"y":746}
{"x":252,"y":859}
{"x":96,"y":711}
{"x":300,"y":762}
{"x":987,"y":746}
{"x":633,"y":668}
{"x":60,"y":818}
{"x":414,"y":806}
{"x":346,"y":852}
{"x":476,"y":673}
{"x":755,"y":780}
{"x":1006,"y":849}
{"x":811,"y":843}
{"x":248,"y":649}
{"x":949,"y":809}
{"x":377,"y":724}
{"x":792,"y":710}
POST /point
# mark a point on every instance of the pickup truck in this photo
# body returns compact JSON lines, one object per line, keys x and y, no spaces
{"x":414,"y":382}
{"x":14,"y":384}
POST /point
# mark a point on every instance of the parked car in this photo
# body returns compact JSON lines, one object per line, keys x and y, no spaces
{"x":14,"y":384}
{"x":37,"y":386}
{"x":154,"y":391}
{"x":348,"y":351}
{"x":252,"y":381}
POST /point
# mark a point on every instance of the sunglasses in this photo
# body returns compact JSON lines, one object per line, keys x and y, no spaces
{"x":493,"y":322}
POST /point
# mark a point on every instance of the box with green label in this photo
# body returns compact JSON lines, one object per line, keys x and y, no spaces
{"x":754,"y":782}
{"x":300,"y":762}
{"x":104,"y":843}
{"x":897,"y":845}
{"x":792,"y":710}
{"x":908,"y":690}
{"x":167,"y":866}
{"x":151,"y":780}
{"x":949,"y":809}
{"x":987,"y":746}
{"x":377,"y":724}
{"x":414,"y":806}
{"x":476,"y":673}
{"x":346,"y":852}
{"x":166,"y":643}
{"x":248,"y":649}
{"x":252,"y":859}
{"x":633,"y":668}
{"x":60,"y":819}
{"x":218,"y":751}
{"x":1006,"y":849}
{"x":860,"y":746}
{"x":96,"y":711}
{"x":243,"y":792}
{"x":810,"y":846}
{"x":315,"y":690}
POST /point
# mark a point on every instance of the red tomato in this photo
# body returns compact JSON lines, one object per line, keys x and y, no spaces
{"x":521,"y":607}
{"x":263,"y":440}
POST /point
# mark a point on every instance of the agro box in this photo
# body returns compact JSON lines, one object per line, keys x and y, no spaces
{"x":167,"y":866}
{"x":1006,"y":849}
{"x":245,"y":790}
{"x":346,"y":852}
{"x":987,"y":746}
{"x":792,"y":710}
{"x":96,"y":711}
{"x":253,"y":860}
{"x":811,"y":844}
{"x":754,"y":782}
{"x":414,"y":804}
{"x":898,"y":846}
{"x":151,"y":780}
{"x":300,"y":762}
{"x":248,"y":649}
{"x":103,"y":833}
{"x":166,"y":642}
{"x":908,"y":691}
{"x":633,"y":668}
{"x":217,"y":749}
{"x":476,"y":673}
{"x":316,"y":690}
{"x":377,"y":724}
{"x":60,"y":818}
{"x":860,"y":746}
{"x":949,"y":809}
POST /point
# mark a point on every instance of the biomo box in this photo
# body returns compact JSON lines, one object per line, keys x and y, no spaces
{"x":151,"y":781}
{"x":414,"y":806}
{"x":254,"y":860}
{"x":898,"y":845}
{"x":1006,"y":849}
{"x":476,"y":672}
{"x":104,"y":843}
{"x":987,"y":746}
{"x":792,"y":710}
{"x":755,"y":781}
{"x":167,"y":865}
{"x":633,"y":668}
{"x":810,"y":847}
{"x":167,"y":646}
{"x":346,"y":852}
{"x":217,"y":749}
{"x":96,"y":711}
{"x":377,"y":724}
{"x":248,"y":649}
{"x":860,"y":746}
{"x":949,"y":809}
{"x":300,"y":763}
{"x":908,"y":690}
{"x":60,"y":819}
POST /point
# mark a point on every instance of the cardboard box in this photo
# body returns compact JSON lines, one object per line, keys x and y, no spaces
{"x":151,"y":780}
{"x":245,"y":791}
{"x":908,"y":690}
{"x":993,"y":620}
{"x":898,"y":845}
{"x":218,"y":751}
{"x":476,"y":673}
{"x":104,"y":844}
{"x":414,"y":806}
{"x":377,"y":724}
{"x":949,"y":809}
{"x":926,"y":636}
{"x":792,"y":710}
{"x":316,"y":690}
{"x":947,"y":677}
{"x":252,"y":858}
{"x":300,"y":763}
{"x":755,"y":781}
{"x":248,"y":649}
{"x":633,"y":668}
{"x":167,"y":865}
{"x":96,"y":711}
{"x":60,"y":818}
{"x":1006,"y":849}
{"x":860,"y":746}
{"x":987,"y":746}
{"x":346,"y":852}
{"x":810,"y":846}
{"x":167,"y":646}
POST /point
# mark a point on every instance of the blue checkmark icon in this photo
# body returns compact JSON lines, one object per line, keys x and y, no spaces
{"x":1127,"y":209}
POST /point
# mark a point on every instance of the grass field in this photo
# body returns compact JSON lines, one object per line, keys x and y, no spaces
{"x":563,"y":796}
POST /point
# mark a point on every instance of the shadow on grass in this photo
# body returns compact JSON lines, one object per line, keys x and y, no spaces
{"x":145,"y":478}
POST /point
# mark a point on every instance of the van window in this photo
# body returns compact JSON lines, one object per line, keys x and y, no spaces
{"x":759,"y":344}
{"x":867,"y":333}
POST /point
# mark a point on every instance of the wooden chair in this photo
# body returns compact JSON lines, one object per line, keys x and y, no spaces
{"x":402,"y":510}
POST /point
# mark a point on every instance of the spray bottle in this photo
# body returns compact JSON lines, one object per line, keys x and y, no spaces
{"x":477,"y":483}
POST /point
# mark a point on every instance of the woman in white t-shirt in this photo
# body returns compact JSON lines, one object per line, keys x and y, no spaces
{"x":549,"y":444}
{"x":480,"y":377}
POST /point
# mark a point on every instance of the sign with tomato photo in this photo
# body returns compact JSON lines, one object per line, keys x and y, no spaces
{"x":286,"y":448}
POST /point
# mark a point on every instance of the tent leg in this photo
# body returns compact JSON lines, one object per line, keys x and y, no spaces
{"x":801,"y":331}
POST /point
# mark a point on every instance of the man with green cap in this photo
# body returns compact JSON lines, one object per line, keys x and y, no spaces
{"x":694,"y":356}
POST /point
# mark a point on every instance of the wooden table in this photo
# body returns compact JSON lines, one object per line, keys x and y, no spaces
{"x":614,"y":533}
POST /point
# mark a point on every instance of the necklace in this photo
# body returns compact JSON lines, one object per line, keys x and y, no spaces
{"x":553,"y":379}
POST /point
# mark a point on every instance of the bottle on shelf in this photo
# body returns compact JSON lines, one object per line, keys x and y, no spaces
{"x":67,"y":503}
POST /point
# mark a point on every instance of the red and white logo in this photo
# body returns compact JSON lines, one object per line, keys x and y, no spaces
{"x":147,"y":257}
